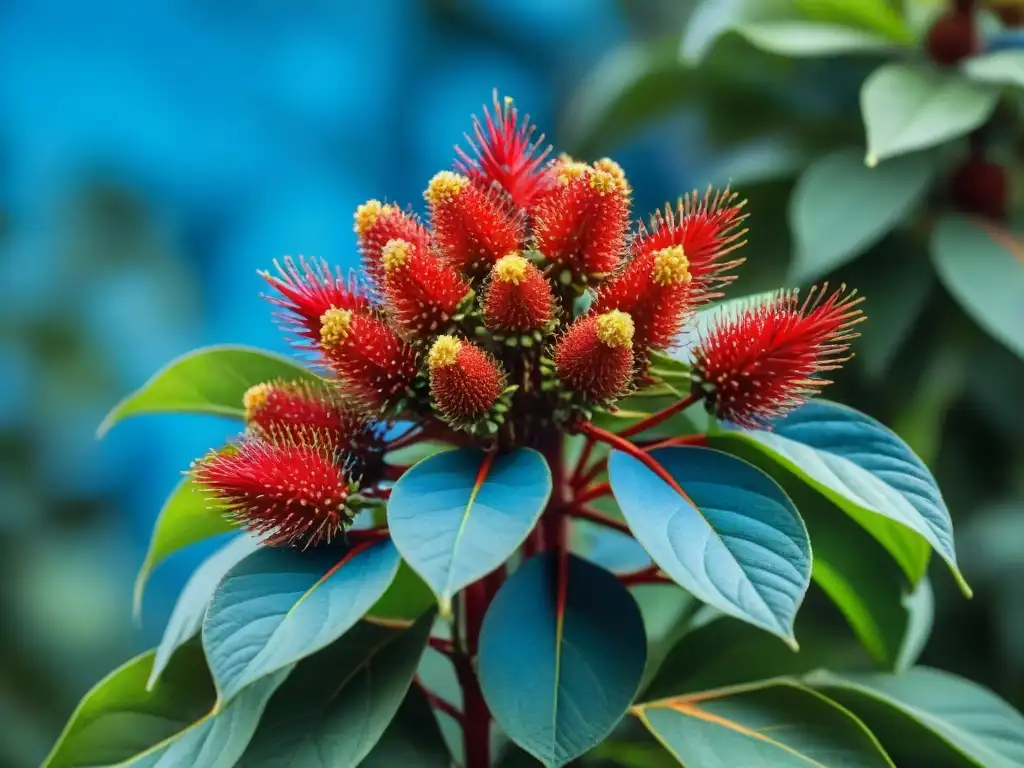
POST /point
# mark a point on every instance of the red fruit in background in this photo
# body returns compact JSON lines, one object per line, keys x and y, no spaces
{"x":953,"y":38}
{"x":980,"y":187}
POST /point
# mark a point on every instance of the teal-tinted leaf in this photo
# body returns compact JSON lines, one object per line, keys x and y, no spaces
{"x":909,"y":107}
{"x":840,"y":208}
{"x":187,"y":517}
{"x":867,"y":471}
{"x":412,"y":739}
{"x":562,"y":652}
{"x":336,"y":704}
{"x":120,"y":717}
{"x":211,"y":380}
{"x":999,"y":68}
{"x":736,"y":543}
{"x":809,"y":38}
{"x":778,"y":724}
{"x":982,"y":266}
{"x":931,"y":718}
{"x":458,"y":515}
{"x":218,"y":739}
{"x":280,"y":605}
{"x":187,"y":617}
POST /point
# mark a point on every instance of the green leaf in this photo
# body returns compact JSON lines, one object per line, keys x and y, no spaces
{"x":278,"y":606}
{"x":735,"y":541}
{"x":407,"y":598}
{"x":999,"y":68}
{"x":412,"y":739}
{"x":866,"y":470}
{"x":458,"y":515}
{"x":187,"y":617}
{"x":876,"y":15}
{"x":775,"y":723}
{"x":927,"y":717}
{"x":188,"y":516}
{"x":218,"y":739}
{"x":562,"y":652}
{"x":920,"y":608}
{"x":211,"y":380}
{"x":840,"y":208}
{"x":335,"y":705}
{"x":809,"y":38}
{"x":120,"y":717}
{"x":712,"y":18}
{"x":982,"y":266}
{"x":907,"y":108}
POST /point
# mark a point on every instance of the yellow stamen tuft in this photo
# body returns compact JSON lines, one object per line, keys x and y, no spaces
{"x":368,"y":213}
{"x":510,"y":268}
{"x":444,"y":187}
{"x":671,"y":267}
{"x":334,"y":325}
{"x":254,"y":398}
{"x":615,"y":329}
{"x":572,"y":170}
{"x":565,"y":158}
{"x":603,"y":182}
{"x":610,"y":166}
{"x":395,"y":254}
{"x":444,"y":352}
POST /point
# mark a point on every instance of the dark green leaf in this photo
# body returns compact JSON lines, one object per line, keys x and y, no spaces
{"x":413,"y":739}
{"x":931,"y":718}
{"x":187,"y":517}
{"x":211,"y":380}
{"x":407,"y":598}
{"x":458,"y":515}
{"x":737,"y":542}
{"x":772,"y":724}
{"x":562,"y":652}
{"x":982,"y":266}
{"x":336,"y":704}
{"x":280,"y":605}
{"x":187,"y":617}
{"x":840,"y":208}
{"x":908,"y":107}
{"x":120,"y":718}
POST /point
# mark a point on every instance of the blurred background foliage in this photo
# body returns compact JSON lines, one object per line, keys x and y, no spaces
{"x":155,"y":155}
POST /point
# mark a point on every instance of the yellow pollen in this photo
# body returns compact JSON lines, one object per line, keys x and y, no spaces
{"x":572,"y":170}
{"x":615,"y":329}
{"x":334,"y":325}
{"x":444,"y":187}
{"x":565,"y":158}
{"x":368,"y":213}
{"x":254,"y":398}
{"x":610,"y":166}
{"x":395,"y":254}
{"x":603,"y":181}
{"x":510,"y":268}
{"x":671,"y":267}
{"x":444,"y":352}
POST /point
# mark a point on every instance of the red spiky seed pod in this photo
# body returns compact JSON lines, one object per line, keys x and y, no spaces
{"x":376,"y":224}
{"x":288,"y":493}
{"x":277,"y":409}
{"x":422,"y":292}
{"x":307,"y":289}
{"x":655,"y":289}
{"x":594,"y":357}
{"x":581,"y":228}
{"x":518,"y":299}
{"x":707,"y":228}
{"x":368,"y":356}
{"x":505,"y":152}
{"x":465,"y":381}
{"x":472,"y":229}
{"x":762,"y":364}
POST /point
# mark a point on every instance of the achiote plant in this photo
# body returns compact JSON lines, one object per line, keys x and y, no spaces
{"x":545,"y":348}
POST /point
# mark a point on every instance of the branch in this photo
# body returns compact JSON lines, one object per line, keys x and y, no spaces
{"x":674,"y":441}
{"x":594,"y":492}
{"x":595,"y":516}
{"x":649,"y":575}
{"x":656,"y":418}
{"x":441,"y":704}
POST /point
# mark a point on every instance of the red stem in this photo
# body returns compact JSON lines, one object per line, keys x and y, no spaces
{"x":439,"y":644}
{"x":594,"y":492}
{"x":595,"y":516}
{"x":588,"y":449}
{"x":673,"y":441}
{"x":441,"y":704}
{"x":649,"y":575}
{"x":656,"y":418}
{"x":476,"y":725}
{"x":590,"y":474}
{"x":366,"y":535}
